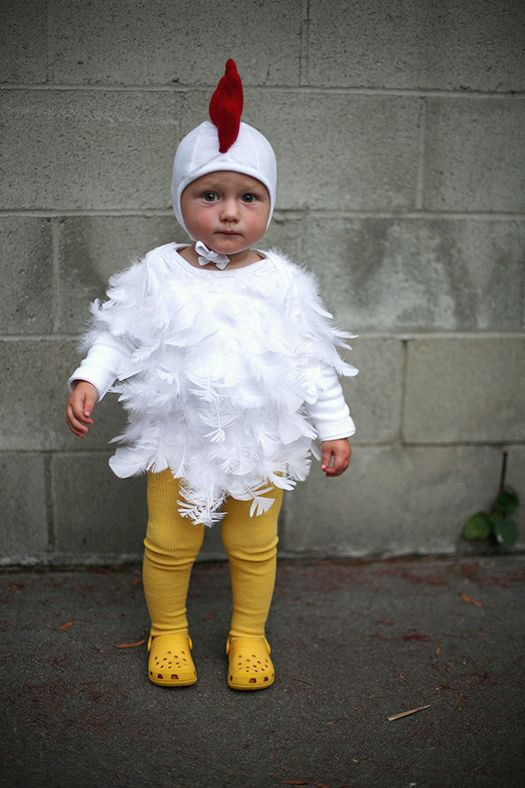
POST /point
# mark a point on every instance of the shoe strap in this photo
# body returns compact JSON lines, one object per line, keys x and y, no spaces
{"x":150,"y":641}
{"x":265,"y":640}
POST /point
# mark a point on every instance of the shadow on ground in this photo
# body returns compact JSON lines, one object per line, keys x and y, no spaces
{"x":352,"y":643}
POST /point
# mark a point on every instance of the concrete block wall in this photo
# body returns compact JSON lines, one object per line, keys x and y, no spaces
{"x":400,"y":135}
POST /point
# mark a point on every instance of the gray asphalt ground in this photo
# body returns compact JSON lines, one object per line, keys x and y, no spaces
{"x":352,"y":643}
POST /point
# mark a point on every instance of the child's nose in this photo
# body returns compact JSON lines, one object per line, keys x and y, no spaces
{"x":230,"y":209}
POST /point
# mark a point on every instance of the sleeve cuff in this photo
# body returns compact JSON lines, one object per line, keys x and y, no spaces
{"x":102,"y":363}
{"x":330,"y":413}
{"x":335,"y":430}
{"x":96,"y":377}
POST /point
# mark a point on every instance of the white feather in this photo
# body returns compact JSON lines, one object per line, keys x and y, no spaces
{"x":240,"y":355}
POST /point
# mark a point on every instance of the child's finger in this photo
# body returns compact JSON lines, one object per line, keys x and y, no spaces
{"x":75,"y":425}
{"x":89,"y":404}
{"x":80,"y":410}
{"x":340,"y":465}
{"x":326,"y":457}
{"x":332,"y":471}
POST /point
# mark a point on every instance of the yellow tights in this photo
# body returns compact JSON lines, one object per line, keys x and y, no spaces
{"x":173,"y":542}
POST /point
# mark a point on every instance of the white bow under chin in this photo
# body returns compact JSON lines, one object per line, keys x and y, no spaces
{"x":209,"y":256}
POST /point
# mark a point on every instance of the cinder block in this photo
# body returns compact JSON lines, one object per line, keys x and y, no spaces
{"x":23,"y":42}
{"x":34,"y":393}
{"x":97,"y":513}
{"x":334,"y":151}
{"x":465,"y":389}
{"x":26,"y":273}
{"x":23,"y":502}
{"x":102,"y":516}
{"x":444,"y":46}
{"x":86,"y":149}
{"x":516,"y":477}
{"x":285,"y":234}
{"x":473,"y":158}
{"x":184,"y":42}
{"x":94,"y":247}
{"x":392,"y":501}
{"x":420,"y":274}
{"x":374,"y":395}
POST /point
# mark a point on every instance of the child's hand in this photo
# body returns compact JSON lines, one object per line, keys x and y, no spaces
{"x":341,"y":451}
{"x":79,"y":406}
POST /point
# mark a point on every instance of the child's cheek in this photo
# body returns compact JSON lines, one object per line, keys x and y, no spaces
{"x":253,"y":222}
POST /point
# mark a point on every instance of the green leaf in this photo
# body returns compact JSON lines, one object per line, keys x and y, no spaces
{"x":507,"y":501}
{"x":477,"y":527}
{"x":496,"y":519}
{"x":506,"y":532}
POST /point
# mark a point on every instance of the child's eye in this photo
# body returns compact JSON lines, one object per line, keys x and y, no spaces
{"x":209,"y":196}
{"x":249,"y":197}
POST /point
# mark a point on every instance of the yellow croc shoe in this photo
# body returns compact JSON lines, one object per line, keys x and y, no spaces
{"x":249,"y":663}
{"x":170,"y":663}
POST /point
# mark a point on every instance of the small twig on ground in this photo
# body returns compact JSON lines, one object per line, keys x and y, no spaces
{"x":135,"y":644}
{"x":305,"y":681}
{"x":470,"y":599}
{"x":406,"y":713}
{"x":67,"y":624}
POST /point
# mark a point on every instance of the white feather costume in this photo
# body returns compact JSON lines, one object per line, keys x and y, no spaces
{"x":222,"y":375}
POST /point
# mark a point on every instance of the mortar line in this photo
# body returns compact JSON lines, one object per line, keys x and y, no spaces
{"x":364,"y":444}
{"x":402,"y":335}
{"x":50,"y":509}
{"x":116,"y":561}
{"x":284,"y":212}
{"x":304,"y":54}
{"x":55,"y":276}
{"x":523,"y":300}
{"x":304,"y":219}
{"x":420,"y":175}
{"x":402,"y":399}
{"x":50,"y":46}
{"x":322,"y":89}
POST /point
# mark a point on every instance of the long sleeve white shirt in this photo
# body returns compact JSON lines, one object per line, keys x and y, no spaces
{"x":330,"y":413}
{"x":250,"y":352}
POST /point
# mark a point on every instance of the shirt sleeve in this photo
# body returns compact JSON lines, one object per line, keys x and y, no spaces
{"x":101,"y":365}
{"x":319,"y":345}
{"x":330,"y":413}
{"x":110,"y":336}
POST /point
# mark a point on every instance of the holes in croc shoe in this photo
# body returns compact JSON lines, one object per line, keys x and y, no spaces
{"x":174,"y":675}
{"x":250,"y":665}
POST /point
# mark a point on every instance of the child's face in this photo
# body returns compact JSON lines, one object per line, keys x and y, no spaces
{"x":228,"y":211}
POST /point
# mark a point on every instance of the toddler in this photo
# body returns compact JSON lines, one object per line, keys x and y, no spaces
{"x":226,"y":362}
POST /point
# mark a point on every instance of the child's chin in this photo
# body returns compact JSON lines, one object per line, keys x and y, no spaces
{"x":229,"y":244}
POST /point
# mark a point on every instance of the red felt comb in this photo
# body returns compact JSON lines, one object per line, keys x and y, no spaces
{"x":226,"y":106}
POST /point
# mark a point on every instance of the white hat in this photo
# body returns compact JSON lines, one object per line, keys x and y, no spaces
{"x":224,"y":144}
